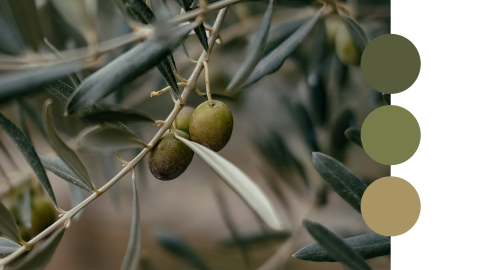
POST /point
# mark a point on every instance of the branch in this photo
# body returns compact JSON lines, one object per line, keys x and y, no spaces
{"x":168,"y":122}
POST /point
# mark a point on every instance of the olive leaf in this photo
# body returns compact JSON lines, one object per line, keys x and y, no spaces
{"x":7,"y":246}
{"x":354,"y":135}
{"x":8,"y":226}
{"x":76,"y":198}
{"x":248,"y":190}
{"x":368,"y":246}
{"x":273,"y":61}
{"x":282,"y":30}
{"x":180,"y":249}
{"x":26,"y":148}
{"x":108,"y":140}
{"x":62,"y":149}
{"x":19,"y":112}
{"x":57,"y":166}
{"x":33,"y":114}
{"x":26,"y":209}
{"x":341,"y":179}
{"x":39,"y":257}
{"x":27,"y":20}
{"x":124,"y":69}
{"x":200,"y":30}
{"x":357,"y":33}
{"x":130,"y":260}
{"x":335,"y":246}
{"x":116,"y":113}
{"x":26,"y":82}
{"x":387,"y":98}
{"x":255,"y":52}
{"x":166,"y":70}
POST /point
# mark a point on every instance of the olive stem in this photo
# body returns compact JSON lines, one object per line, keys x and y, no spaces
{"x":207,"y":82}
{"x":190,"y":86}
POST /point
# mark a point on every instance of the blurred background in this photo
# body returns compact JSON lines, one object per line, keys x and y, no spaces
{"x":304,"y":107}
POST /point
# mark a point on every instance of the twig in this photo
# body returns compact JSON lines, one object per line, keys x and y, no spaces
{"x":168,"y":122}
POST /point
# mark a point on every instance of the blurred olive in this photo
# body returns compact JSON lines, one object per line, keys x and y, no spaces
{"x":43,"y":214}
{"x":347,"y":50}
{"x":183,"y":119}
{"x":332,"y":22}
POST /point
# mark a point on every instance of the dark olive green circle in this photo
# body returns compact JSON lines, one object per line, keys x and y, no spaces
{"x":390,"y":135}
{"x":390,"y":64}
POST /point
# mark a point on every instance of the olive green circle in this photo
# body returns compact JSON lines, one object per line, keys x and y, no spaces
{"x":390,"y":135}
{"x":390,"y":64}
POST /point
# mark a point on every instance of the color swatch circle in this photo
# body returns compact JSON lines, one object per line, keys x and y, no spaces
{"x":390,"y":63}
{"x":390,"y":206}
{"x":390,"y":135}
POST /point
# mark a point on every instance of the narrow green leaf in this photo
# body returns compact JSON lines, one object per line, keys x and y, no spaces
{"x":8,"y":225}
{"x":7,"y":246}
{"x":139,"y":11}
{"x":255,"y":52}
{"x":354,"y":135}
{"x":34,"y":114}
{"x":116,"y":113}
{"x":62,"y":149}
{"x":368,"y":246}
{"x":20,"y":115}
{"x":108,"y":140}
{"x":124,"y":69}
{"x":130,"y":260}
{"x":180,"y":249}
{"x":26,"y":210}
{"x":167,"y":73}
{"x":335,"y":246}
{"x":57,"y":166}
{"x":387,"y":98}
{"x":39,"y":257}
{"x":26,"y":82}
{"x":248,"y":190}
{"x":26,"y":148}
{"x":76,"y":198}
{"x":282,"y":30}
{"x":341,"y":179}
{"x":200,"y":30}
{"x":273,"y":61}
{"x":356,"y":32}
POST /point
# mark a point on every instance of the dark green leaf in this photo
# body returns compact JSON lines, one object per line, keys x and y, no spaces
{"x":387,"y":98}
{"x":57,"y":166}
{"x":354,"y":135}
{"x":272,"y":62}
{"x":139,"y":11}
{"x":282,"y":30}
{"x":369,"y":245}
{"x":167,"y":73}
{"x":341,"y":179}
{"x":26,"y":82}
{"x":63,"y":151}
{"x":255,"y":52}
{"x":25,"y":210}
{"x":356,"y":32}
{"x":108,"y":140}
{"x":8,"y":225}
{"x":335,"y":246}
{"x":124,"y":69}
{"x":33,"y":114}
{"x":21,"y":119}
{"x":7,"y":246}
{"x":39,"y":257}
{"x":130,"y":260}
{"x":180,"y":249}
{"x":200,"y":30}
{"x":116,"y":113}
{"x":26,"y":148}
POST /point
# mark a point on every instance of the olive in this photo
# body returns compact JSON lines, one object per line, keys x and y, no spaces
{"x":43,"y":214}
{"x":211,"y":126}
{"x":332,"y":22}
{"x":170,"y":157}
{"x":183,"y":119}
{"x":347,"y":50}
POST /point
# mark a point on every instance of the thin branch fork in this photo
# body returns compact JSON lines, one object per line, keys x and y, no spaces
{"x":190,"y":86}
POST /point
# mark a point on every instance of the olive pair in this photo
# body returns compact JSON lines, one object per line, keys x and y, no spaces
{"x":208,"y":125}
{"x":339,"y":38}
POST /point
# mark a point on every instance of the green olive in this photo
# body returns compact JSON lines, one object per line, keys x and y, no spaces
{"x":332,"y":22}
{"x":211,"y":126}
{"x":346,"y":49}
{"x":170,"y":157}
{"x":183,"y":119}
{"x":43,"y":214}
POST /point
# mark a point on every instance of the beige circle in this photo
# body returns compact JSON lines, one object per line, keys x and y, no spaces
{"x":390,"y":135}
{"x":390,"y":206}
{"x":390,"y":63}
